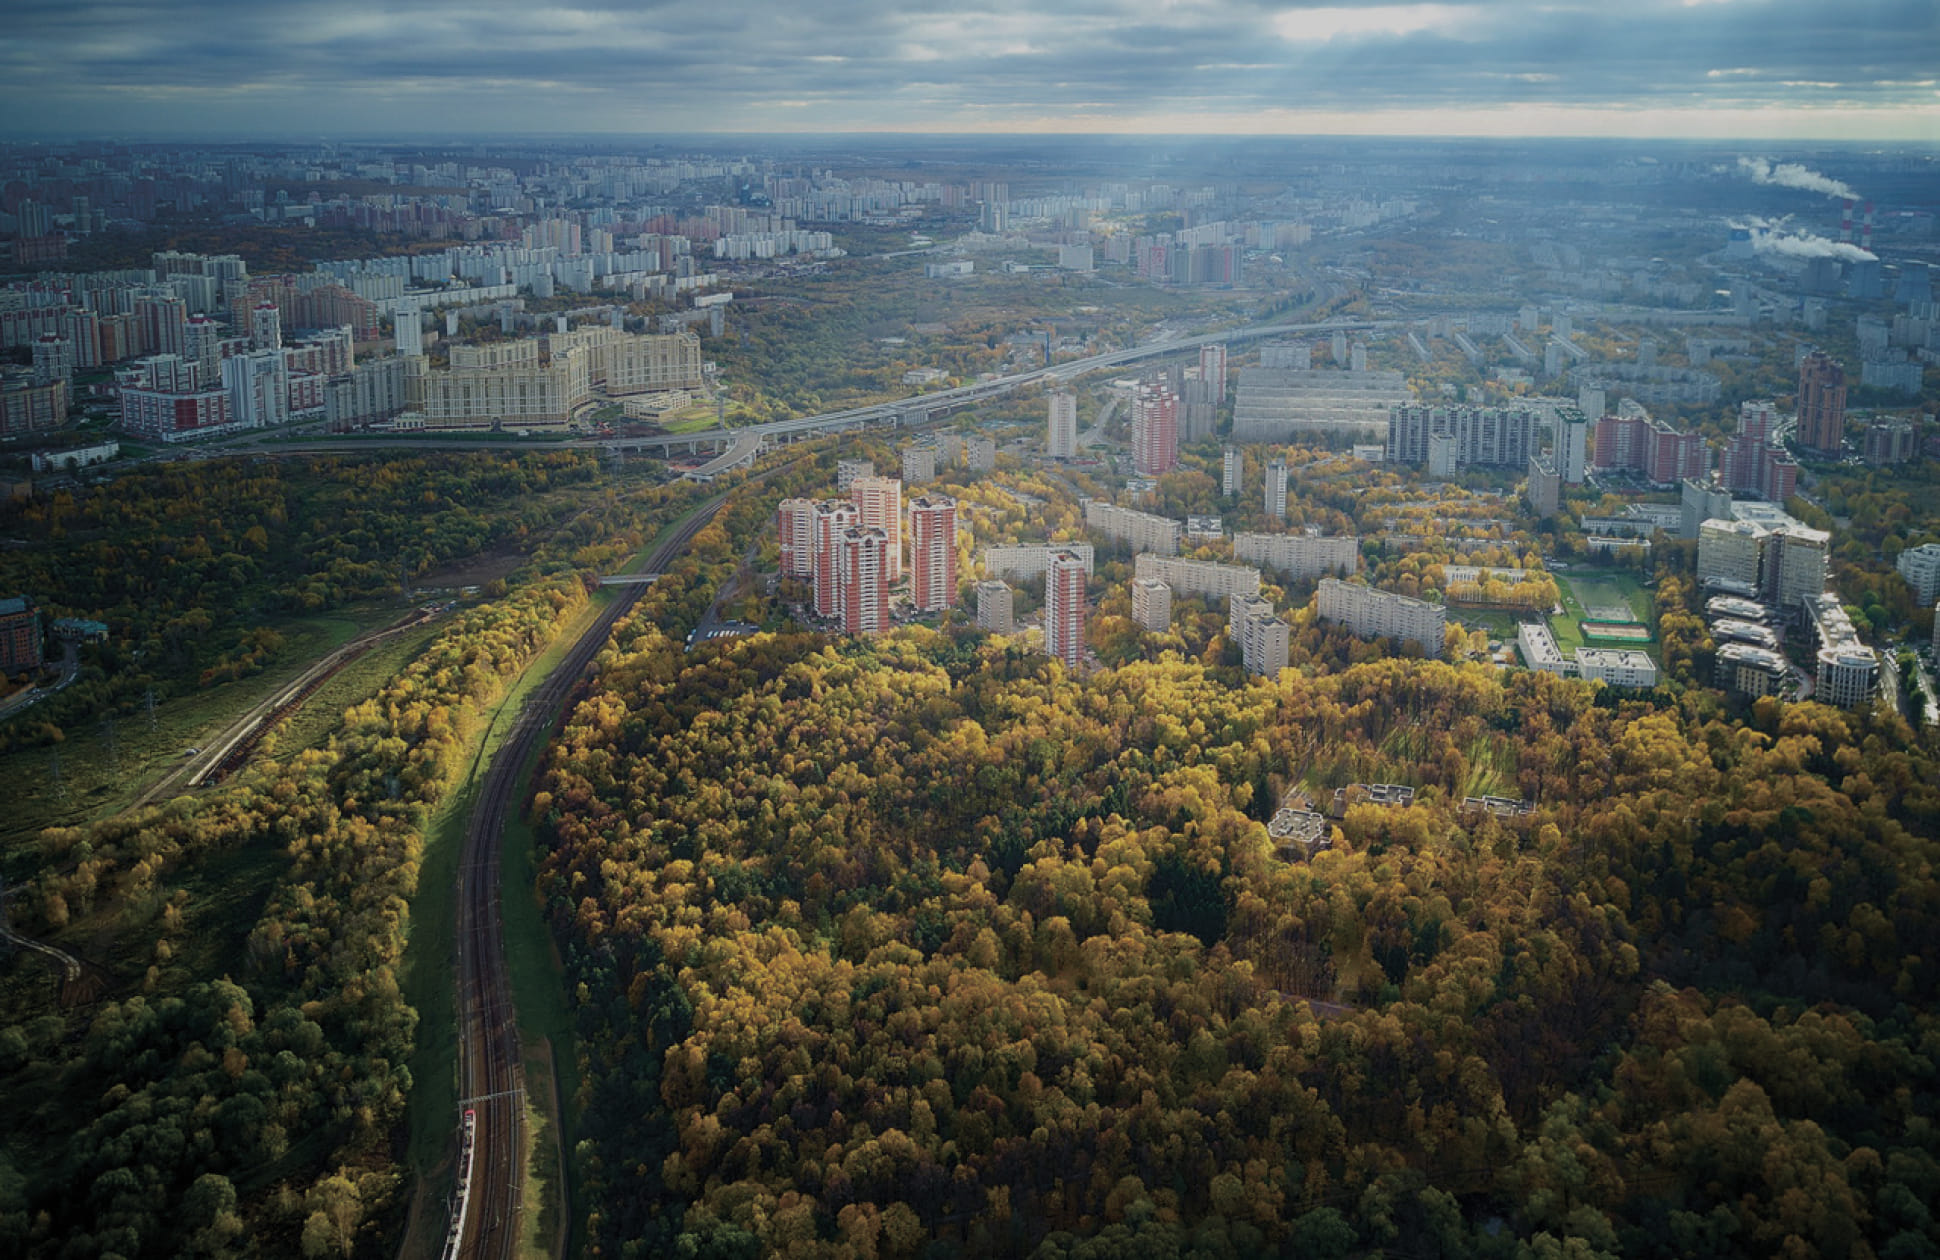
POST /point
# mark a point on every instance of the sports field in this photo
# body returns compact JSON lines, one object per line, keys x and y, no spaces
{"x":1608,"y":597}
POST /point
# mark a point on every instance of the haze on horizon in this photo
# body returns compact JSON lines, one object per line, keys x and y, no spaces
{"x":1721,"y":69}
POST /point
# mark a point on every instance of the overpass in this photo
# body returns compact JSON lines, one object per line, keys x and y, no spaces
{"x":924,"y":408}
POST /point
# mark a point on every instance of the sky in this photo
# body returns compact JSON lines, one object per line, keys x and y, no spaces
{"x":301,"y":69}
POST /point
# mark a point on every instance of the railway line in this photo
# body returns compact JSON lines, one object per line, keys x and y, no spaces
{"x":486,"y":1224}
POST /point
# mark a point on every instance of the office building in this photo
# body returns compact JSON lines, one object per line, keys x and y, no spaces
{"x":1142,"y":531}
{"x":833,"y":519}
{"x":1152,"y":604}
{"x":995,"y":606}
{"x":795,"y":526}
{"x":879,"y":505}
{"x":1198,"y":577}
{"x":933,"y":553}
{"x":1062,"y":422}
{"x":1232,"y":469}
{"x":1064,"y":608}
{"x":1822,"y":405}
{"x":1373,"y":614}
{"x":1155,"y":429}
{"x":1920,"y":566}
{"x":1276,"y":489}
{"x":1301,"y":556}
{"x":862,"y":574}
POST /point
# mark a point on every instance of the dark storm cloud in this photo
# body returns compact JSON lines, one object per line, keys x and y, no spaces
{"x":349,"y":65}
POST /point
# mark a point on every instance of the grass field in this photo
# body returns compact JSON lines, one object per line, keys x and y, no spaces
{"x":1583,"y":594}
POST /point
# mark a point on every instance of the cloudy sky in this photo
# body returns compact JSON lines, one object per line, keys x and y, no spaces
{"x":1777,"y":69}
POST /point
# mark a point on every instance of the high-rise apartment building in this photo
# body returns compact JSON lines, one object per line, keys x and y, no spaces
{"x":795,"y":525}
{"x":879,"y":505}
{"x":1732,"y":552}
{"x":1662,"y":455}
{"x":847,"y":470}
{"x":1155,"y":429}
{"x":933,"y":553}
{"x":1795,"y":565}
{"x":1264,"y":639}
{"x":1232,"y":469}
{"x":919,"y":464}
{"x":1212,"y":369}
{"x":1062,"y":438}
{"x":862,"y":573}
{"x":1152,"y":605}
{"x":1753,"y":463}
{"x":1064,"y":608}
{"x":1572,"y":445}
{"x":266,"y":327}
{"x":995,"y":607}
{"x":410,"y":329}
{"x":833,"y":518}
{"x":1276,"y":489}
{"x":1920,"y":566}
{"x":1198,"y":577}
{"x":1822,"y":404}
{"x":1498,"y":437}
{"x":1142,"y":530}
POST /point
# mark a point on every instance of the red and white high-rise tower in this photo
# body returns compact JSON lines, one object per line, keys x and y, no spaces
{"x":1064,"y":608}
{"x":933,"y":552}
{"x":862,"y":571}
{"x":795,"y":526}
{"x":833,"y":518}
{"x":879,"y":505}
{"x":1155,"y":429}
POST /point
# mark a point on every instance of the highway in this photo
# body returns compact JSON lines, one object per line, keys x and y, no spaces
{"x":915,"y":409}
{"x":490,"y":1080}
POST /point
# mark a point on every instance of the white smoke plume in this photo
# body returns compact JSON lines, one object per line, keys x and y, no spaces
{"x":1769,"y":236}
{"x":1792,"y":175}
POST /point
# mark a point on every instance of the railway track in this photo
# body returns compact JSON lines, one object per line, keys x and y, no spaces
{"x":490,"y":1079}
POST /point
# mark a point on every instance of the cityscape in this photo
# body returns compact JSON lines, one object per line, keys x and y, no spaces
{"x":969,"y":640}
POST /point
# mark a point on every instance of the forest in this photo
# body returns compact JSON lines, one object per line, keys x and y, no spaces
{"x":924,"y":946}
{"x":232,"y":1080}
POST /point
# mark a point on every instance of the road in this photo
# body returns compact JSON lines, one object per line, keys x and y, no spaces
{"x":490,"y":1080}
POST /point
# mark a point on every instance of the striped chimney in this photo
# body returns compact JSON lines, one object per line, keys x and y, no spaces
{"x":1845,"y":222}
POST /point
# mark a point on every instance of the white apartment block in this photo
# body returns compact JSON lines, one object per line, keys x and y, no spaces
{"x":1373,"y":614}
{"x":1142,"y":530}
{"x":1920,"y":566}
{"x":1300,"y":556}
{"x":847,"y":470}
{"x":1032,"y":560}
{"x":1264,"y":644}
{"x":1198,"y":577}
{"x":919,"y":464}
{"x":995,"y":608}
{"x":1848,"y":671}
{"x":1232,"y":467}
{"x":1620,"y":667}
{"x":1795,"y":565}
{"x":1152,"y":605}
{"x":1276,"y":489}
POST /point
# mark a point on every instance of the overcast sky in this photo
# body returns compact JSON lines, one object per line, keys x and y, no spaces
{"x":1778,"y":69}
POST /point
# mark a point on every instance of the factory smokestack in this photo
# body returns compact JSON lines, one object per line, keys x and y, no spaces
{"x":1866,"y":236}
{"x":1845,"y":222}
